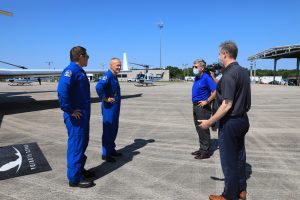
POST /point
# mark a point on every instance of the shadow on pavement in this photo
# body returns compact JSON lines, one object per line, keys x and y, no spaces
{"x":248,"y":173}
{"x":128,"y":153}
{"x":21,"y":104}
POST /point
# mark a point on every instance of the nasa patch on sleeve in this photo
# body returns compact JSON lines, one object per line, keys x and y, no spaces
{"x":104,"y":78}
{"x":22,"y":159}
{"x":68,"y":73}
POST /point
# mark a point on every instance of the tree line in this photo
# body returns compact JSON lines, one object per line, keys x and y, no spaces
{"x":178,"y":73}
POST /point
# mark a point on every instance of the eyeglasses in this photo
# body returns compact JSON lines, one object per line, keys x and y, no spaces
{"x":197,"y":66}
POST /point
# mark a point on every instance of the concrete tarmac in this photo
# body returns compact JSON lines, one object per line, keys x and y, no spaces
{"x":156,"y":136}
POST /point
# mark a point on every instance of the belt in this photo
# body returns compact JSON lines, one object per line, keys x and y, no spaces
{"x":197,"y":102}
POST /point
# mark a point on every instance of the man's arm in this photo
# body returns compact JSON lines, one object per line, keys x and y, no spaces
{"x":102,"y":91}
{"x":212,"y":74}
{"x":221,"y":112}
{"x":210,"y":99}
{"x":63,"y":91}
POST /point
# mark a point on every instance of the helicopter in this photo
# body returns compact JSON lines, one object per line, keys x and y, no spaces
{"x":146,"y":78}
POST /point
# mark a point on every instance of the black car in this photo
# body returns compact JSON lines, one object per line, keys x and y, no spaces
{"x":292,"y":82}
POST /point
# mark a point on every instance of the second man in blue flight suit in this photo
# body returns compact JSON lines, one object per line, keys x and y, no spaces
{"x":109,"y":92}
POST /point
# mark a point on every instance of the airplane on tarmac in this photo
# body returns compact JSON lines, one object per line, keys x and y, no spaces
{"x":146,"y":78}
{"x":17,"y":75}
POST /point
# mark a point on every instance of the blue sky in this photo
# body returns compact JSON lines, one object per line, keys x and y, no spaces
{"x":43,"y":30}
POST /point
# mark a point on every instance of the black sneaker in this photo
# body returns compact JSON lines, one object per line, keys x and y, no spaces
{"x":116,"y":154}
{"x":203,"y":156}
{"x":82,"y":184}
{"x":108,"y":159}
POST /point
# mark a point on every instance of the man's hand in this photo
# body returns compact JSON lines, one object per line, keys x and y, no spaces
{"x":204,"y":124}
{"x":202,"y":103}
{"x":77,"y":114}
{"x":109,"y":100}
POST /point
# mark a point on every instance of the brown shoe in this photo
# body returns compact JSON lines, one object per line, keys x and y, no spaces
{"x":243,"y":195}
{"x":195,"y":153}
{"x":202,"y":156}
{"x":216,"y":197}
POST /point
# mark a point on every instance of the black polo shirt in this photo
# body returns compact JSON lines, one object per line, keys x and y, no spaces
{"x":235,"y":86}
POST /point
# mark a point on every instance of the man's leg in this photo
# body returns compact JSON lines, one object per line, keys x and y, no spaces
{"x":116,"y":114}
{"x":106,"y":138}
{"x":242,"y":156}
{"x":228,"y":156}
{"x":203,"y":134}
{"x":77,"y":143}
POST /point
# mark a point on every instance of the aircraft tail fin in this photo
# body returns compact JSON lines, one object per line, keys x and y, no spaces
{"x":125,"y":63}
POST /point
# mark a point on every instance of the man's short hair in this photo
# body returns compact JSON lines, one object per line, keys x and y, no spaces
{"x":76,"y":52}
{"x":200,"y":60}
{"x":114,"y":58}
{"x":230,"y":48}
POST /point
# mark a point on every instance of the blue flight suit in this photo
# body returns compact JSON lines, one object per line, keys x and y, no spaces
{"x":74,"y":93}
{"x":108,"y":86}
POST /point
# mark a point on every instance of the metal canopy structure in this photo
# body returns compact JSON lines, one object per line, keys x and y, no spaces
{"x":276,"y":53}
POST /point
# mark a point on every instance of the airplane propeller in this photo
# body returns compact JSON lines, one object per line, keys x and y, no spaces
{"x":22,"y":67}
{"x":2,"y":12}
{"x":143,"y":65}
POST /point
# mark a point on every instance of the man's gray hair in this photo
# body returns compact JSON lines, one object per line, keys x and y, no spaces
{"x":200,"y":60}
{"x":230,"y":48}
{"x":114,"y":58}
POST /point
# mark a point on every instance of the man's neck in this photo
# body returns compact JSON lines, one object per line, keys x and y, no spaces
{"x":229,"y":62}
{"x":77,"y":63}
{"x":113,"y":72}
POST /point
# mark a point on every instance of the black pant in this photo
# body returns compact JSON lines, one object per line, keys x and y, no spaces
{"x":232,"y":133}
{"x":204,"y":134}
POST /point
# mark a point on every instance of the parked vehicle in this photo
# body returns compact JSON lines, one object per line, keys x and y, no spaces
{"x":131,"y":80}
{"x":292,"y":82}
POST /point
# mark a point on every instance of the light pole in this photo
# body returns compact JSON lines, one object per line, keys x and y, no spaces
{"x":102,"y":66}
{"x":49,"y":63}
{"x":184,"y":69}
{"x":160,"y":26}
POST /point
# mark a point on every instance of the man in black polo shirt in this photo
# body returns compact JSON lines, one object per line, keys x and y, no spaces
{"x":234,"y":101}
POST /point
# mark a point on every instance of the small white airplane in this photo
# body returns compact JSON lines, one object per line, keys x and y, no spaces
{"x":20,"y":81}
{"x":146,"y":78}
{"x":37,"y":73}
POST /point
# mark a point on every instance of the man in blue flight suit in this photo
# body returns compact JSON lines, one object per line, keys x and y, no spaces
{"x":203,"y":92}
{"x":74,"y":99}
{"x":108,"y":90}
{"x":234,"y":101}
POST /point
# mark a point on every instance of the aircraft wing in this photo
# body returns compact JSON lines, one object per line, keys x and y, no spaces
{"x":7,"y":73}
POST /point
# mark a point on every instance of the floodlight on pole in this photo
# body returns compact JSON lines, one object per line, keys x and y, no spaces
{"x":49,"y":63}
{"x":160,"y":26}
{"x":185,"y":69}
{"x":102,"y":66}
